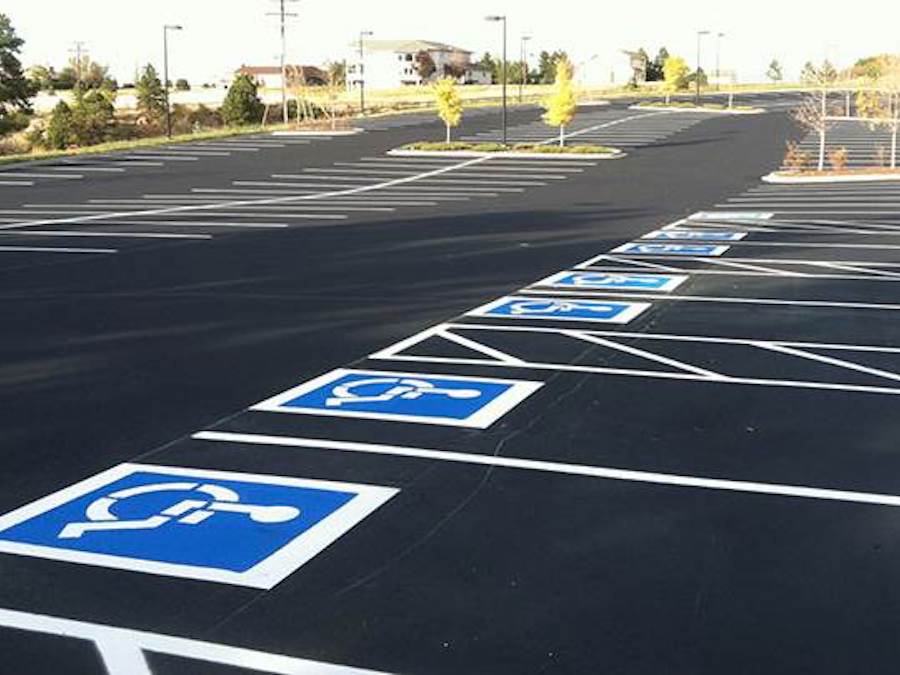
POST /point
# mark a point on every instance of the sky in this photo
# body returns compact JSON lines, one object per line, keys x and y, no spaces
{"x":219,"y":36}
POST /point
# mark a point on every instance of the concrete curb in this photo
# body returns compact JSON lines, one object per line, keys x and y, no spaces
{"x":325,"y":132}
{"x":781,"y":179}
{"x":711,"y":111}
{"x":507,"y":155}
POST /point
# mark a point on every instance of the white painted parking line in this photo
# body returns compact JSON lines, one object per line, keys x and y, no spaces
{"x":96,"y":169}
{"x":581,"y":470}
{"x":124,"y":651}
{"x":53,"y":249}
{"x":13,"y":183}
{"x":18,"y":174}
{"x":490,"y":357}
{"x":111,"y":235}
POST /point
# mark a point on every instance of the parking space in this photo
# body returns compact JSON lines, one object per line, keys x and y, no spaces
{"x":674,"y":448}
{"x":150,"y":160}
{"x":616,"y":127}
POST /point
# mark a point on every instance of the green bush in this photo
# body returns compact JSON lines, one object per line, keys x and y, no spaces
{"x":242,"y":105}
{"x":88,"y":121}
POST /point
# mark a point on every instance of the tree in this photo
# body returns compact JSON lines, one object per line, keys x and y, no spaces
{"x":151,"y":97}
{"x":880,"y":105}
{"x":809,"y":73}
{"x":547,"y":63}
{"x":425,"y":65}
{"x":88,"y":121}
{"x":775,"y":72}
{"x":562,"y":105}
{"x":242,"y":105}
{"x":812,"y":114}
{"x":449,"y":104}
{"x":675,"y":75}
{"x":337,"y":73}
{"x":44,"y":77}
{"x":15,"y":89}
{"x":655,"y":68}
{"x":182,"y":84}
{"x":490,"y":65}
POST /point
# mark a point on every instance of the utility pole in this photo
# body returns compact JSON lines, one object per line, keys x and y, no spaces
{"x":719,"y":37}
{"x":78,"y":50}
{"x":363,"y":34}
{"x":700,"y":34}
{"x":283,"y":15}
{"x":166,"y":30}
{"x":502,"y":19}
{"x":524,"y":63}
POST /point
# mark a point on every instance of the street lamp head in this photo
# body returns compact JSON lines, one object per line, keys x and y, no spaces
{"x":366,"y":33}
{"x":173,"y":27}
{"x":495,"y":18}
{"x":721,"y":35}
{"x":702,"y":32}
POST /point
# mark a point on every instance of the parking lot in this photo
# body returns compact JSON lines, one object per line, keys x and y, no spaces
{"x":542,"y":416}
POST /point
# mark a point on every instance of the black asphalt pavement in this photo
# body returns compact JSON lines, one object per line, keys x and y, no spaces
{"x":707,"y":487}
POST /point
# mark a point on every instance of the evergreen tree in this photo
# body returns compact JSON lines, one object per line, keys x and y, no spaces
{"x":15,"y":89}
{"x":151,"y":97}
{"x":242,"y":105}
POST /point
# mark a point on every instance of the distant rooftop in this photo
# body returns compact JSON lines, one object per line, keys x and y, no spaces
{"x":410,"y":46}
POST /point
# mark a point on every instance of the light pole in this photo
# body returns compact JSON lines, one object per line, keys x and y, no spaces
{"x":700,"y":34}
{"x":719,"y":37}
{"x":503,"y":20}
{"x":166,"y":30}
{"x":523,"y":42}
{"x":363,"y":34}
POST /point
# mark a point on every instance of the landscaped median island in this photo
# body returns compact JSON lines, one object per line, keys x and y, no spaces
{"x":560,"y":108}
{"x":861,"y":175}
{"x":522,"y":150}
{"x":685,"y":106}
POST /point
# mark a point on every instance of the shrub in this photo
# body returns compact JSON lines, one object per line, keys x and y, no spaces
{"x":838,"y":158}
{"x":242,"y":105}
{"x":795,"y":159}
{"x":60,"y":132}
{"x":88,"y":121}
{"x":182,"y":84}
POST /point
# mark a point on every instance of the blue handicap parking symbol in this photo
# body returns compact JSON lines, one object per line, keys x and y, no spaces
{"x":562,"y":309}
{"x":703,"y":235}
{"x":244,"y":529}
{"x":635,"y":248}
{"x":615,"y":281}
{"x":404,"y":397}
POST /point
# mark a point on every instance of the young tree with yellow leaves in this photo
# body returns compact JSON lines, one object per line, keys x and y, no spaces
{"x":449,"y":104}
{"x":562,"y":105}
{"x":675,"y":74}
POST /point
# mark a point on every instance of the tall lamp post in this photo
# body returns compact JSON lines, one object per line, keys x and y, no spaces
{"x":166,"y":30}
{"x":523,"y":56}
{"x":363,"y":34}
{"x":719,"y":37}
{"x":503,"y":20}
{"x":700,"y":34}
